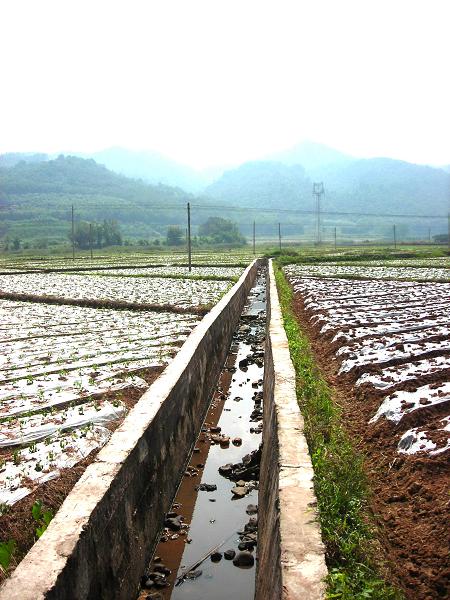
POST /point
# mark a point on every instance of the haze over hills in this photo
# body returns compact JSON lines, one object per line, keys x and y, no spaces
{"x":36,"y":192}
{"x":36,"y":200}
{"x":151,"y":167}
{"x":369,"y":185}
{"x":311,"y":156}
{"x":10,"y":159}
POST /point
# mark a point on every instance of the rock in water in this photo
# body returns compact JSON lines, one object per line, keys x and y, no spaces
{"x":244,"y":559}
{"x":239,"y":492}
{"x":216,"y":556}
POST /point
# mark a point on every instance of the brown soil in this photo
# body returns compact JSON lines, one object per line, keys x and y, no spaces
{"x":409,"y":494}
{"x":17,"y":523}
{"x":112,"y":304}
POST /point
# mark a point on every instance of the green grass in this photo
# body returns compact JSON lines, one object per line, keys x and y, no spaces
{"x":350,"y":255}
{"x":339,"y":479}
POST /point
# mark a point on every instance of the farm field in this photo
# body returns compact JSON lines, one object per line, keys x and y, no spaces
{"x":373,"y":271}
{"x":133,"y":259}
{"x":384,"y":348}
{"x":186,"y":293}
{"x":69,"y":373}
{"x":205,"y":272}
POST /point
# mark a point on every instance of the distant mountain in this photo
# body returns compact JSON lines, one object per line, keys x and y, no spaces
{"x":311,"y":156}
{"x":36,"y":199}
{"x":151,"y":167}
{"x":264,"y":184}
{"x":389,"y":186}
{"x":11,"y":159}
{"x":378,"y":185}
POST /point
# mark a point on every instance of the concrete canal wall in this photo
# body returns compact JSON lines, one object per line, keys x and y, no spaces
{"x":99,"y":542}
{"x":101,"y":539}
{"x":291,"y":562}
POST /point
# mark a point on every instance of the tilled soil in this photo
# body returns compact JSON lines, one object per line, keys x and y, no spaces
{"x":410,"y":498}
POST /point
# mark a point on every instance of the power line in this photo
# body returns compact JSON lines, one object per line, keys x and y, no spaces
{"x":226,"y":208}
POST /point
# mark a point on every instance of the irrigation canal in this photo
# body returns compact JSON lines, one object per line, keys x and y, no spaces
{"x":208,"y":546}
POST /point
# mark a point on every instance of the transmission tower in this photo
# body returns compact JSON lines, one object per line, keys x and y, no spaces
{"x":318,"y":192}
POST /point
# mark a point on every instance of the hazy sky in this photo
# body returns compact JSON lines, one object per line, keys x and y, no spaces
{"x":221,"y":81}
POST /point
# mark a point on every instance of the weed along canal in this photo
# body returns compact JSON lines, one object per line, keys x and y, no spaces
{"x":208,"y":546}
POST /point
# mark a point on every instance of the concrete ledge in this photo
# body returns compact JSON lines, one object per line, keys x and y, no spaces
{"x":291,"y":561}
{"x":101,"y":539}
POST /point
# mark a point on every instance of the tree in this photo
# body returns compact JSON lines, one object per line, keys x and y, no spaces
{"x":111,"y":233}
{"x":174,"y":235}
{"x":221,"y":231}
{"x":105,"y":234}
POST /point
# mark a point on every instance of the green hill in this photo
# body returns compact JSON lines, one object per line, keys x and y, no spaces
{"x":380,"y":185}
{"x":36,"y":200}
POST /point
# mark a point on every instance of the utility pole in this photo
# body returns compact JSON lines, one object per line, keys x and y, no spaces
{"x":318,"y":192}
{"x":90,"y":238}
{"x":429,"y":235}
{"x":189,"y":236}
{"x":254,"y":227}
{"x":395,"y":238}
{"x":279,"y":235}
{"x":73,"y":236}
{"x":335,"y":238}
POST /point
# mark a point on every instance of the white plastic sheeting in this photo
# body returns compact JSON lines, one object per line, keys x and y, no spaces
{"x":41,"y":462}
{"x":25,"y":430}
{"x":57,"y":363}
{"x":391,"y":376}
{"x":403,"y":328}
{"x":418,"y":440}
{"x":177,"y":292}
{"x":400,"y":403}
{"x":370,"y":271}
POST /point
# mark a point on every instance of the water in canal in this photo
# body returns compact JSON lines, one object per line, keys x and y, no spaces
{"x":208,"y":546}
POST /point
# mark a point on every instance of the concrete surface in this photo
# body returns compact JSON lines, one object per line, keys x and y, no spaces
{"x":291,"y":563}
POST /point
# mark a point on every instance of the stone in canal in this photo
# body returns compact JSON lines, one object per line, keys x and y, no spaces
{"x":160,"y":581}
{"x":246,"y":545}
{"x":147,"y":583}
{"x":160,"y":568}
{"x":206,"y":487}
{"x":229,"y":554}
{"x":239,"y":492}
{"x":174,"y":523}
{"x":251,"y":509}
{"x":226,"y":469}
{"x":244,"y":559}
{"x":194,"y":574}
{"x":237,"y":441}
{"x":216,"y":556}
{"x":215,"y":429}
{"x":224,"y":442}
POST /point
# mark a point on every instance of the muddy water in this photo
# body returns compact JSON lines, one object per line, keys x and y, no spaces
{"x":215,"y":520}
